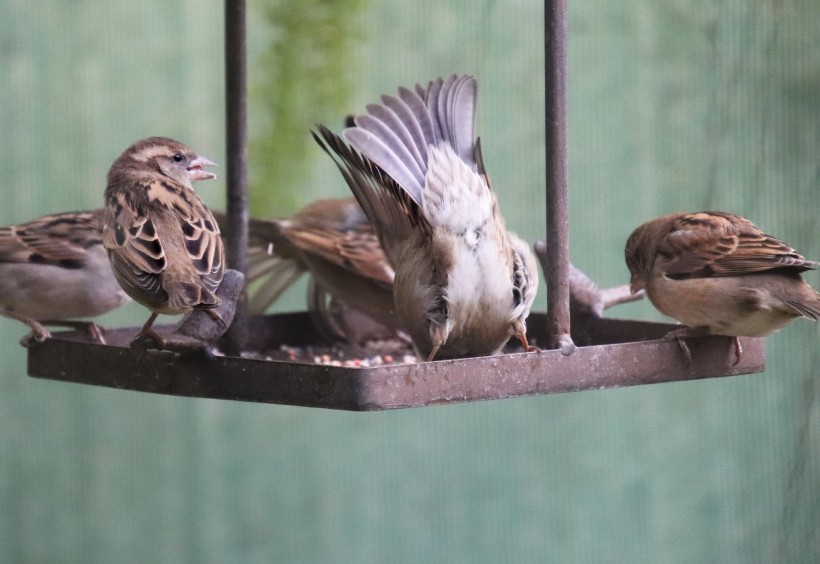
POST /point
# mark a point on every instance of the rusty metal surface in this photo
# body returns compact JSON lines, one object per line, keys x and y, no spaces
{"x":556,"y":269}
{"x":620,"y":362}
{"x":236,"y":146}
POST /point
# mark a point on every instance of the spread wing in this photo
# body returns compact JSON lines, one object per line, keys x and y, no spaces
{"x":722,"y":244}
{"x":391,"y":210}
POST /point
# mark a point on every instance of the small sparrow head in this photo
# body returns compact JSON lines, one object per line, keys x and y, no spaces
{"x":162,"y":155}
{"x":639,"y":254}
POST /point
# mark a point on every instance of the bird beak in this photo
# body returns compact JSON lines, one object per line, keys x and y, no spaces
{"x":195,"y":171}
{"x":635,"y":284}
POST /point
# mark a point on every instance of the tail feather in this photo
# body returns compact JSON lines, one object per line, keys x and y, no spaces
{"x":185,"y":295}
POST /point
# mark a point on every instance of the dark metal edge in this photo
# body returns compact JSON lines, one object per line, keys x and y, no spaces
{"x":396,"y":386}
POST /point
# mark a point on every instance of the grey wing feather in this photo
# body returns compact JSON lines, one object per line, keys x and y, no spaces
{"x":452,"y":102}
{"x":376,"y":140}
{"x":389,"y":208}
{"x":396,"y":134}
{"x":412,"y":123}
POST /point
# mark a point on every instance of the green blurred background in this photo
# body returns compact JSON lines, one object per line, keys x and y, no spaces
{"x":675,"y":105}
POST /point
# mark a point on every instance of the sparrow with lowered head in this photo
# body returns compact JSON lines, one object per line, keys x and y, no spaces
{"x":463,"y":283}
{"x":163,"y":242}
{"x":333,"y":241}
{"x":53,"y":270}
{"x":718,"y":274}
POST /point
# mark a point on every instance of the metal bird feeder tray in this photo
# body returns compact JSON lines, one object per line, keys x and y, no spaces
{"x":594,"y":353}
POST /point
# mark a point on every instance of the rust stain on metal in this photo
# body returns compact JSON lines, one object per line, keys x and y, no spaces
{"x":612,"y":353}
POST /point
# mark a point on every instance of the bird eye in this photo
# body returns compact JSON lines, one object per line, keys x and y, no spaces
{"x":178,"y":157}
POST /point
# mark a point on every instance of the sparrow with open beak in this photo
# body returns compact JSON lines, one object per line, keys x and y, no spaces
{"x":463,"y":283}
{"x":718,"y":274}
{"x":53,"y":270}
{"x":163,"y":242}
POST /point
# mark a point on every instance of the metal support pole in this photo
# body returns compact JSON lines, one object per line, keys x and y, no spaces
{"x":236,"y":144}
{"x":557,"y":271}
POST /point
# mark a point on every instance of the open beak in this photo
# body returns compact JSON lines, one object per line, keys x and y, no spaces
{"x":195,"y":171}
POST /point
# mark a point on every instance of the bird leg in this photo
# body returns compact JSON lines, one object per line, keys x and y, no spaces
{"x":437,"y":342}
{"x":520,"y":331}
{"x":680,"y":334}
{"x":38,"y":334}
{"x":149,"y":332}
{"x":94,"y":331}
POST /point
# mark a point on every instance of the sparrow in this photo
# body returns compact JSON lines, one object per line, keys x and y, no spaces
{"x":331,"y":240}
{"x":163,"y":242}
{"x":53,"y":270}
{"x":718,"y":274}
{"x":463,"y":283}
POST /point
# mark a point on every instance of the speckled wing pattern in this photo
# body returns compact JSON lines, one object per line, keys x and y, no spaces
{"x":137,"y":241}
{"x":722,"y":244}
{"x":59,"y":239}
{"x":345,"y":239}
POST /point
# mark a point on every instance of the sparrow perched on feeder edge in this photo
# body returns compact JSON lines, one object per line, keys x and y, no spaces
{"x":718,"y":274}
{"x":53,"y":270}
{"x":463,"y":283}
{"x":163,"y":242}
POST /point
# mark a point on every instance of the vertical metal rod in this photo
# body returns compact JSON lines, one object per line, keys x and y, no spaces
{"x":557,"y":274}
{"x":236,"y":145}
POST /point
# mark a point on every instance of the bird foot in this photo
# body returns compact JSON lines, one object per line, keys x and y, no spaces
{"x":38,"y":334}
{"x":680,"y":335}
{"x":146,"y":338}
{"x":520,"y":331}
{"x":96,"y":332}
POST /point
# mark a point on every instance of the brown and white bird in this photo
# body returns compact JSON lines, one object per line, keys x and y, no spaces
{"x":333,"y":241}
{"x":463,"y":283}
{"x":717,"y":273}
{"x":54,"y":270}
{"x":163,"y":242}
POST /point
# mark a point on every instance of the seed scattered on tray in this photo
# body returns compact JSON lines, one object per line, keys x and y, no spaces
{"x":374,"y":353}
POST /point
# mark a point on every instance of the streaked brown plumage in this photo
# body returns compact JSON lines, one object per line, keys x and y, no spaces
{"x":163,"y":242}
{"x":53,"y":270}
{"x":718,"y":273}
{"x":332,"y":240}
{"x":463,"y":284}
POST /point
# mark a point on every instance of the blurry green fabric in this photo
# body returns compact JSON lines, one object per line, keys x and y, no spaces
{"x":675,"y":105}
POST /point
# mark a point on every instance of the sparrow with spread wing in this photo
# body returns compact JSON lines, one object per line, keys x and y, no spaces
{"x":53,"y":270}
{"x":463,"y":283}
{"x":717,"y":273}
{"x":163,"y":242}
